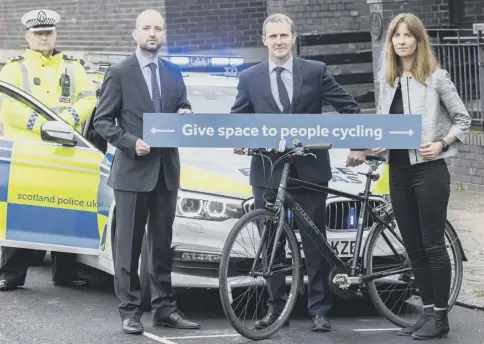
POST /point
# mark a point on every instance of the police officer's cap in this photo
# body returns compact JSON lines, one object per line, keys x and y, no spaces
{"x":40,"y":20}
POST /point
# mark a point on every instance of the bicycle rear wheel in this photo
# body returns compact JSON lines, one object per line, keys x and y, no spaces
{"x":396,"y":297}
{"x":236,"y":265}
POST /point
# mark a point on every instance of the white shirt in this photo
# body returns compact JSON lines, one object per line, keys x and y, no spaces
{"x":287,"y":79}
{"x":145,"y":68}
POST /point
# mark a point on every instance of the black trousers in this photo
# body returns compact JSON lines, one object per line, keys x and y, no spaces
{"x":135,"y":210}
{"x":420,"y":195}
{"x":16,"y":261}
{"x":319,"y":295}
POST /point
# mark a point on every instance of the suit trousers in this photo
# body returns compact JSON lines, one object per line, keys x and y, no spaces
{"x":319,"y":295}
{"x":16,"y":261}
{"x":139,"y":213}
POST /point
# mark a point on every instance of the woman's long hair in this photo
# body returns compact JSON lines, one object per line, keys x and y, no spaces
{"x":425,"y":62}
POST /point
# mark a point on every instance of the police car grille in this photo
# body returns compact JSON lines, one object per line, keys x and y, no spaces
{"x":340,"y":215}
{"x":344,"y":215}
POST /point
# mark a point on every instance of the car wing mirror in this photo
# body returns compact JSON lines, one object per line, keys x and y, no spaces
{"x":58,"y":132}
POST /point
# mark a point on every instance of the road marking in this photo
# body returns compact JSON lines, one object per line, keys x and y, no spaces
{"x":375,"y":329}
{"x":159,"y":339}
{"x":207,"y":336}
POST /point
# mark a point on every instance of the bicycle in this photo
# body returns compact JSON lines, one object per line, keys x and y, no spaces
{"x":350,"y":278}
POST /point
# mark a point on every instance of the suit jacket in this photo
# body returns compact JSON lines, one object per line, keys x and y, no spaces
{"x":312,"y":84}
{"x":124,"y":97}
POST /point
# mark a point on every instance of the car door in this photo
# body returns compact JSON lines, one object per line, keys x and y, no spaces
{"x":48,"y":184}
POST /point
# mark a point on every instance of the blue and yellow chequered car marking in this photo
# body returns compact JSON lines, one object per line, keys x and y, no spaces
{"x":66,"y":216}
{"x":5,"y":154}
{"x":105,"y":199}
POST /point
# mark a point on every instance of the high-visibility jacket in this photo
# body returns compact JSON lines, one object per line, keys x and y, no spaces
{"x":40,"y":77}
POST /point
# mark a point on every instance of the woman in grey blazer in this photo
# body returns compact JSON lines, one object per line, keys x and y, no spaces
{"x":412,"y":82}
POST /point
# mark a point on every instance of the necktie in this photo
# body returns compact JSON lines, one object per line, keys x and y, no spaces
{"x":155,"y":90}
{"x":283,"y":96}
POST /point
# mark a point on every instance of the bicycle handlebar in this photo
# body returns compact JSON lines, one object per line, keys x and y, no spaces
{"x":301,"y":150}
{"x":304,"y":150}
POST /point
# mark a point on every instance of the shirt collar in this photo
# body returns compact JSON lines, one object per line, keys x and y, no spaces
{"x":287,"y":66}
{"x":143,"y":61}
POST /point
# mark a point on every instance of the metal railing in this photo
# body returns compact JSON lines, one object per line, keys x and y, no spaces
{"x":461,"y":53}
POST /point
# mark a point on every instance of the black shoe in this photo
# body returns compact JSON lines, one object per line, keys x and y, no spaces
{"x":321,"y":324}
{"x":7,"y":286}
{"x":176,"y":320}
{"x":436,"y":326}
{"x":77,"y":282}
{"x":408,"y":331}
{"x":267,"y":321}
{"x":133,"y":326}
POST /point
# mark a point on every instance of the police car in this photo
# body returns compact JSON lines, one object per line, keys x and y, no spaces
{"x":54,"y":197}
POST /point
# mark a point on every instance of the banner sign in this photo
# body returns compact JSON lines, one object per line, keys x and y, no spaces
{"x":267,"y":130}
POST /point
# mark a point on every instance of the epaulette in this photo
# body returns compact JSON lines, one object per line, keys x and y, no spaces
{"x":16,"y":58}
{"x":69,"y":57}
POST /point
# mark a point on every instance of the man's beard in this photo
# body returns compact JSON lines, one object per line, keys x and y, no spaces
{"x":151,"y":48}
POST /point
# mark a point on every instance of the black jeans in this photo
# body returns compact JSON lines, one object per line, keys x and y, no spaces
{"x":420,"y":195}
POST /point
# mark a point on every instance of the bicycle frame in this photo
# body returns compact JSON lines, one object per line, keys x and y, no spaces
{"x":284,"y":198}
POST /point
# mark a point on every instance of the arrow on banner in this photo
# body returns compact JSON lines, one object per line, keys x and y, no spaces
{"x":154,"y":130}
{"x":409,"y":132}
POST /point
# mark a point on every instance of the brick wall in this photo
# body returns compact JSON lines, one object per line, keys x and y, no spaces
{"x":470,"y":11}
{"x":434,"y":13}
{"x":323,"y":15}
{"x":195,"y":25}
{"x":467,"y":167}
{"x":95,"y":26}
{"x":89,"y":25}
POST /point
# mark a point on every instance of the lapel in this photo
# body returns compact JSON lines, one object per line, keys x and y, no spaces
{"x":163,"y":85}
{"x":139,"y":80}
{"x":297,"y":81}
{"x":266,"y":86}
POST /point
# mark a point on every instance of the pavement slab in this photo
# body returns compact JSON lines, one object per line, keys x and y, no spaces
{"x":466,"y":214}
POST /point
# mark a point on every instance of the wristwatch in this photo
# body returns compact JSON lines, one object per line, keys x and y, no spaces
{"x":445,"y":145}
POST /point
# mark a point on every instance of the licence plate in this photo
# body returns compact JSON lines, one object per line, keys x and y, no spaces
{"x":342,"y":248}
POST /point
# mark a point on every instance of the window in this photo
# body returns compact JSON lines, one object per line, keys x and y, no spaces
{"x":211,"y":99}
{"x":22,"y":118}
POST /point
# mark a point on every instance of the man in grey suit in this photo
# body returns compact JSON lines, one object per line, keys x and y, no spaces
{"x":286,"y":84}
{"x":145,"y":180}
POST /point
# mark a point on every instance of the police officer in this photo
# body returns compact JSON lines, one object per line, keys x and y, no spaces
{"x":61,"y":83}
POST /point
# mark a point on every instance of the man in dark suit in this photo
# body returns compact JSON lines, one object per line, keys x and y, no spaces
{"x":145,"y":180}
{"x":286,"y":84}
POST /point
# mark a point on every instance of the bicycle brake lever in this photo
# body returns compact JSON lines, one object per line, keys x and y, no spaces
{"x":314,"y":155}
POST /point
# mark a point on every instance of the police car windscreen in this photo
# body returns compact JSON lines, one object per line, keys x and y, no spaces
{"x":211,"y":99}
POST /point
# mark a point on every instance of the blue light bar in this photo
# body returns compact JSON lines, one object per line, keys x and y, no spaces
{"x":205,"y":60}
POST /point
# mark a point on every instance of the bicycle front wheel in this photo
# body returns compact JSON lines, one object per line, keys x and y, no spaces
{"x":239,"y":280}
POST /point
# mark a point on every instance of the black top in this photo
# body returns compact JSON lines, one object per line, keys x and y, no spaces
{"x":398,"y":157}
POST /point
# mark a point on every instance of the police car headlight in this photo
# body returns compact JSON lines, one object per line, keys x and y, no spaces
{"x":207,"y":207}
